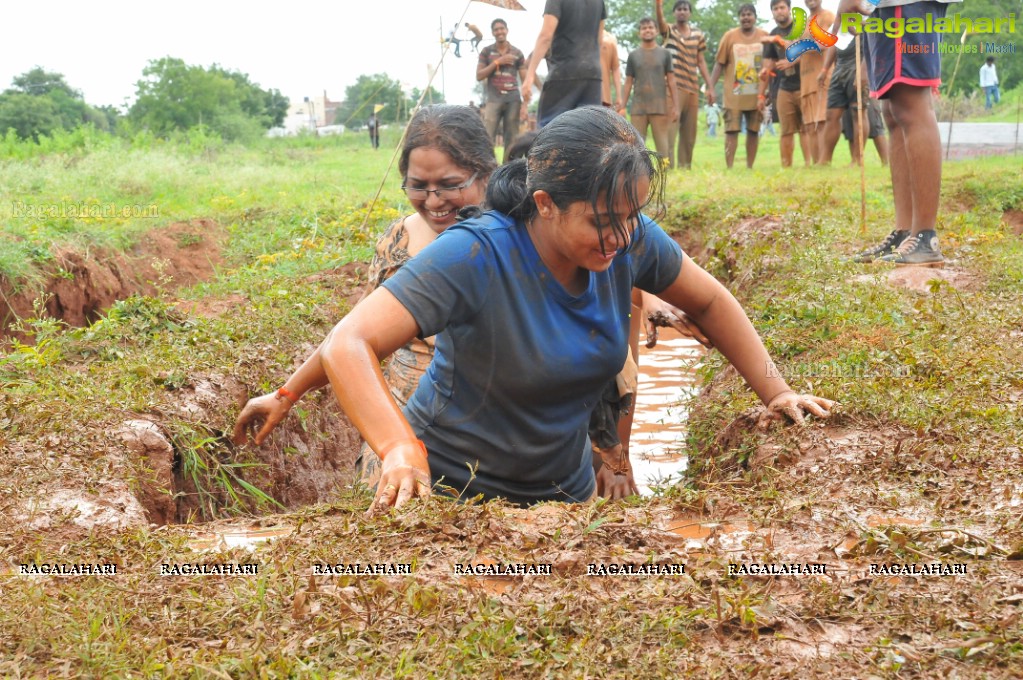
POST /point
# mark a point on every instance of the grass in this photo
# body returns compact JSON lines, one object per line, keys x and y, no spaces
{"x":929,"y":384}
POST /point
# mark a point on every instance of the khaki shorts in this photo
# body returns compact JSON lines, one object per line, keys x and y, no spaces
{"x":733,"y":120}
{"x":815,"y":107}
{"x":790,"y":111}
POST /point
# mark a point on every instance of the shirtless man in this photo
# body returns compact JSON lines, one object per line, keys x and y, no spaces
{"x":611,"y":73}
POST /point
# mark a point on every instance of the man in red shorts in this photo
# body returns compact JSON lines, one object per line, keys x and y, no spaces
{"x":903,"y":73}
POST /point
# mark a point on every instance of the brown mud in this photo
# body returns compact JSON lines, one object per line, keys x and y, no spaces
{"x":77,"y":287}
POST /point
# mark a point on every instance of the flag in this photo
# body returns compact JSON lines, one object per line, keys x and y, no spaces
{"x":505,"y":4}
{"x":377,"y":107}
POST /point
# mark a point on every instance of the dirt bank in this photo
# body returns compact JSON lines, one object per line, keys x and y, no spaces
{"x":77,"y":286}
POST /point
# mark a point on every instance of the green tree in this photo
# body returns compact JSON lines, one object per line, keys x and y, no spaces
{"x":1009,"y":65}
{"x":369,"y":91}
{"x":30,"y":117}
{"x":51,"y":104}
{"x":173,"y":95}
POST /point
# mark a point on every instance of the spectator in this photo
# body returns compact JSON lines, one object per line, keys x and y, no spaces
{"x":571,"y":33}
{"x":503,"y":66}
{"x":904,"y":81}
{"x":713,"y":118}
{"x":785,"y":74}
{"x":477,"y":35}
{"x":739,"y":59}
{"x":842,"y":98}
{"x":611,"y":74}
{"x":989,"y":83}
{"x":373,"y":126}
{"x":687,"y":45}
{"x":649,"y":68}
{"x":814,"y":93}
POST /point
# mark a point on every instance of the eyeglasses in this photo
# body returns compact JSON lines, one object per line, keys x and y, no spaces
{"x":419,"y":194}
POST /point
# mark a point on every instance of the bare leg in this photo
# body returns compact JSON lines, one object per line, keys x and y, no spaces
{"x":804,"y":149}
{"x":731,"y":143}
{"x":881,"y":144}
{"x":832,"y":131}
{"x":752,"y":142}
{"x":915,"y":155}
{"x":787,"y":144}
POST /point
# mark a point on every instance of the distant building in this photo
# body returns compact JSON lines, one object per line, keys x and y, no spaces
{"x":310,"y":113}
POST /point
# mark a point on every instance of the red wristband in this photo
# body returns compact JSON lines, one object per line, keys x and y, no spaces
{"x":418,"y":442}
{"x":287,"y":394}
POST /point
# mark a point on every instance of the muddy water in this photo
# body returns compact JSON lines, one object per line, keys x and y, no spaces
{"x":666,"y":381}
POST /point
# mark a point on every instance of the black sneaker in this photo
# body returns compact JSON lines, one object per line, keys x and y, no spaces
{"x":886,"y":247}
{"x":920,"y":250}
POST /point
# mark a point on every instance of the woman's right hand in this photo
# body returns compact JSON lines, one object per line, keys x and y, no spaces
{"x":259,"y":417}
{"x":404,"y":475}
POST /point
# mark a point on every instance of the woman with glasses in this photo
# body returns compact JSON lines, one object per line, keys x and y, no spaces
{"x":530,"y":304}
{"x":445,"y":163}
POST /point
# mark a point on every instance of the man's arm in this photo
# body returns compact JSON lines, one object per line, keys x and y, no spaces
{"x":543,"y":44}
{"x":711,"y":97}
{"x":484,"y":69}
{"x":616,"y":79}
{"x":628,"y":90}
{"x":669,"y":81}
{"x":662,"y":24}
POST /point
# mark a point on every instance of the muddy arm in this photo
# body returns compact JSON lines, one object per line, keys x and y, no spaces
{"x":351,"y":357}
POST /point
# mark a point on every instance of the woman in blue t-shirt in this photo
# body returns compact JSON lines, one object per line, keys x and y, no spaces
{"x":534,"y":298}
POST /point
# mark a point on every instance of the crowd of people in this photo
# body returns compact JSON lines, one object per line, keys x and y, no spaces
{"x":507,"y":306}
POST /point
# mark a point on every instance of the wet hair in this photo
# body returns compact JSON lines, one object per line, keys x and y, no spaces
{"x":588,"y":154}
{"x":495,"y":22}
{"x":456,"y":130}
{"x":746,"y":6}
{"x":520,"y":147}
{"x":682,"y":3}
{"x":647,"y":20}
{"x":775,"y":3}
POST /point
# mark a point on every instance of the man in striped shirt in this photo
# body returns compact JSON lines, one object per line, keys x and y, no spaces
{"x":687,"y":46}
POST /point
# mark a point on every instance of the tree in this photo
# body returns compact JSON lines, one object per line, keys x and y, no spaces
{"x":370,"y":91}
{"x":41,"y":101}
{"x":1009,"y":65}
{"x":173,"y":95}
{"x":30,"y":117}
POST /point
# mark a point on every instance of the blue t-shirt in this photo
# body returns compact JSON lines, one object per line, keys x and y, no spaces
{"x":523,"y":362}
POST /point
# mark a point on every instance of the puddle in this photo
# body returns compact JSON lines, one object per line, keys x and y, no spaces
{"x":236,"y":537}
{"x":882,"y":521}
{"x":701,"y":533}
{"x":666,"y":381}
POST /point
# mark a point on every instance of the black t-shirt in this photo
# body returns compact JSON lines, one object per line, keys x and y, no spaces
{"x":789,"y":78}
{"x":575,"y":49}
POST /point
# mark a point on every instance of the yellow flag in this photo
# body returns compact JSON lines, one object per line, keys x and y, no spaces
{"x":377,"y":107}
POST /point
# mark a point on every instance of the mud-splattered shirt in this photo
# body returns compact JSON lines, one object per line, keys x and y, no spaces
{"x":521,"y":362}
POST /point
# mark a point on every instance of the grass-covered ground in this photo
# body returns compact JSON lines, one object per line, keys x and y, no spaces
{"x":920,"y":464}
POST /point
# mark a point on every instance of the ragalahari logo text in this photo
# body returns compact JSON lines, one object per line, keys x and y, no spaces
{"x":818,"y":36}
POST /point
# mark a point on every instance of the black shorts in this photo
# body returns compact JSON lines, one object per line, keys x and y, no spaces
{"x":912,"y":59}
{"x":565,"y":95}
{"x":874,"y":121}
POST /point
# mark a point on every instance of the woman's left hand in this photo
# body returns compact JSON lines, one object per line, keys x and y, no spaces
{"x":404,"y":475}
{"x":795,"y":407}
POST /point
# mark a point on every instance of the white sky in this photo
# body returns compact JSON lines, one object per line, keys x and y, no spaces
{"x":101,"y":47}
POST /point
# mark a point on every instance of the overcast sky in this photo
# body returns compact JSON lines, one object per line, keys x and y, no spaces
{"x":301,"y":49}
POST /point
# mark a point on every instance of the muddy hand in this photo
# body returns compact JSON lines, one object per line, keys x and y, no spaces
{"x":668,"y":315}
{"x":614,"y":473}
{"x":404,"y":475}
{"x":795,"y":407}
{"x":259,"y":417}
